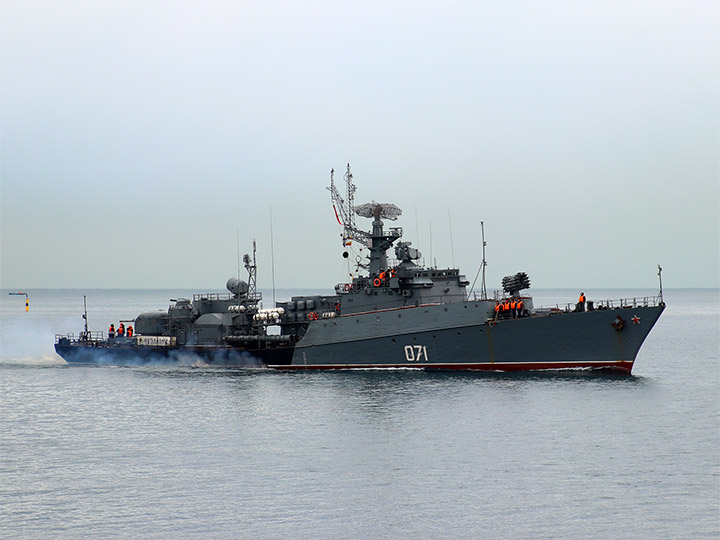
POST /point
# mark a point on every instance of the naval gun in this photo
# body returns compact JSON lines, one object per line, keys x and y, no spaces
{"x":406,"y":254}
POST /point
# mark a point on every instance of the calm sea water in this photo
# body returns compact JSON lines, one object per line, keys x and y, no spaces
{"x":192,"y":452}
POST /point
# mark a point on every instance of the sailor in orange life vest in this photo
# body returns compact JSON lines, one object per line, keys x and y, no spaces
{"x":111,"y":331}
{"x":506,"y":309}
{"x":581,"y":302}
{"x":121,"y":330}
{"x":497,"y":309}
{"x":129,"y":331}
{"x":519,"y":306}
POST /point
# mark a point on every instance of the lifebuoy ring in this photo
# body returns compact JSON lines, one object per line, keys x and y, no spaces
{"x":377,"y":282}
{"x":618,"y":323}
{"x":347,"y":286}
{"x":312,"y":316}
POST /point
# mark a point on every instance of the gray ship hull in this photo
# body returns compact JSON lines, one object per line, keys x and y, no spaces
{"x":116,"y":353}
{"x":441,"y":336}
{"x":458,"y":336}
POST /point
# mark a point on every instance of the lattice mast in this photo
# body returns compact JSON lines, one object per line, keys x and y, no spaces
{"x":377,"y":241}
{"x":345,"y":210}
{"x":251,"y":267}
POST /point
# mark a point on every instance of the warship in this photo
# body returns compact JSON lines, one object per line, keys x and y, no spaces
{"x":391,"y":313}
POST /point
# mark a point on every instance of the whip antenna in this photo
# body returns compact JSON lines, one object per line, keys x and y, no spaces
{"x":452,"y":245}
{"x":483,"y":290}
{"x":272,"y":255}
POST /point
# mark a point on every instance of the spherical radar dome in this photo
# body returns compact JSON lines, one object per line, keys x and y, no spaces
{"x":237,"y":286}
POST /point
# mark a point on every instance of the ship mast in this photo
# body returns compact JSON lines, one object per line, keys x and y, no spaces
{"x":252,"y":274}
{"x":377,"y":241}
{"x":344,"y":210}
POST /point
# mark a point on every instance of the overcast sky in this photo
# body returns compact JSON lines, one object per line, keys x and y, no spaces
{"x":139,"y":137}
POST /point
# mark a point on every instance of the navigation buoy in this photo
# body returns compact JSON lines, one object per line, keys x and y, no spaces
{"x":27,"y":299}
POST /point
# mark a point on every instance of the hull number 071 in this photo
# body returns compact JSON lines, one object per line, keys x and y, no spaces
{"x":416,"y":353}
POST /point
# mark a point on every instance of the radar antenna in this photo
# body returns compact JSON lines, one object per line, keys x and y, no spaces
{"x":378,"y":210}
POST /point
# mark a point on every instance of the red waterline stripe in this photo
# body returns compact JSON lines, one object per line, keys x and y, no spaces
{"x":501,"y":366}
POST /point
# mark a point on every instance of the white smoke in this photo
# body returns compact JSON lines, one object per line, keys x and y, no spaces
{"x":28,"y":340}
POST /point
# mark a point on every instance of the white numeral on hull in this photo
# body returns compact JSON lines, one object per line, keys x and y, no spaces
{"x":416,"y":353}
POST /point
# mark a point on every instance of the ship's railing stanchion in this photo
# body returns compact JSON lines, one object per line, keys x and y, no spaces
{"x":635,"y":302}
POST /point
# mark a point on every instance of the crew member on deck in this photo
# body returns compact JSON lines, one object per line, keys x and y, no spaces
{"x":581,"y":302}
{"x":111,"y":331}
{"x":497,"y":309}
{"x":513,"y":308}
{"x":520,"y":307}
{"x":129,"y":331}
{"x":121,"y":330}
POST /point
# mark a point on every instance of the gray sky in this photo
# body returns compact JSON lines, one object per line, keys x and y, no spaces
{"x":138,"y":137}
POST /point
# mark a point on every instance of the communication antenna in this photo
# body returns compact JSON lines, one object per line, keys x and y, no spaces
{"x":483,"y":290}
{"x":272,"y":255}
{"x":452,"y":246}
{"x":237,"y":230}
{"x":351,"y":187}
{"x":238,"y":251}
{"x":252,"y":274}
{"x":417,"y":229}
{"x":87,"y":334}
{"x":431,"y":252}
{"x":660,"y":277}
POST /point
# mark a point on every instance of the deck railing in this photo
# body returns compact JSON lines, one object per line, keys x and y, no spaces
{"x":226,"y":296}
{"x":598,"y":305}
{"x":90,"y":336}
